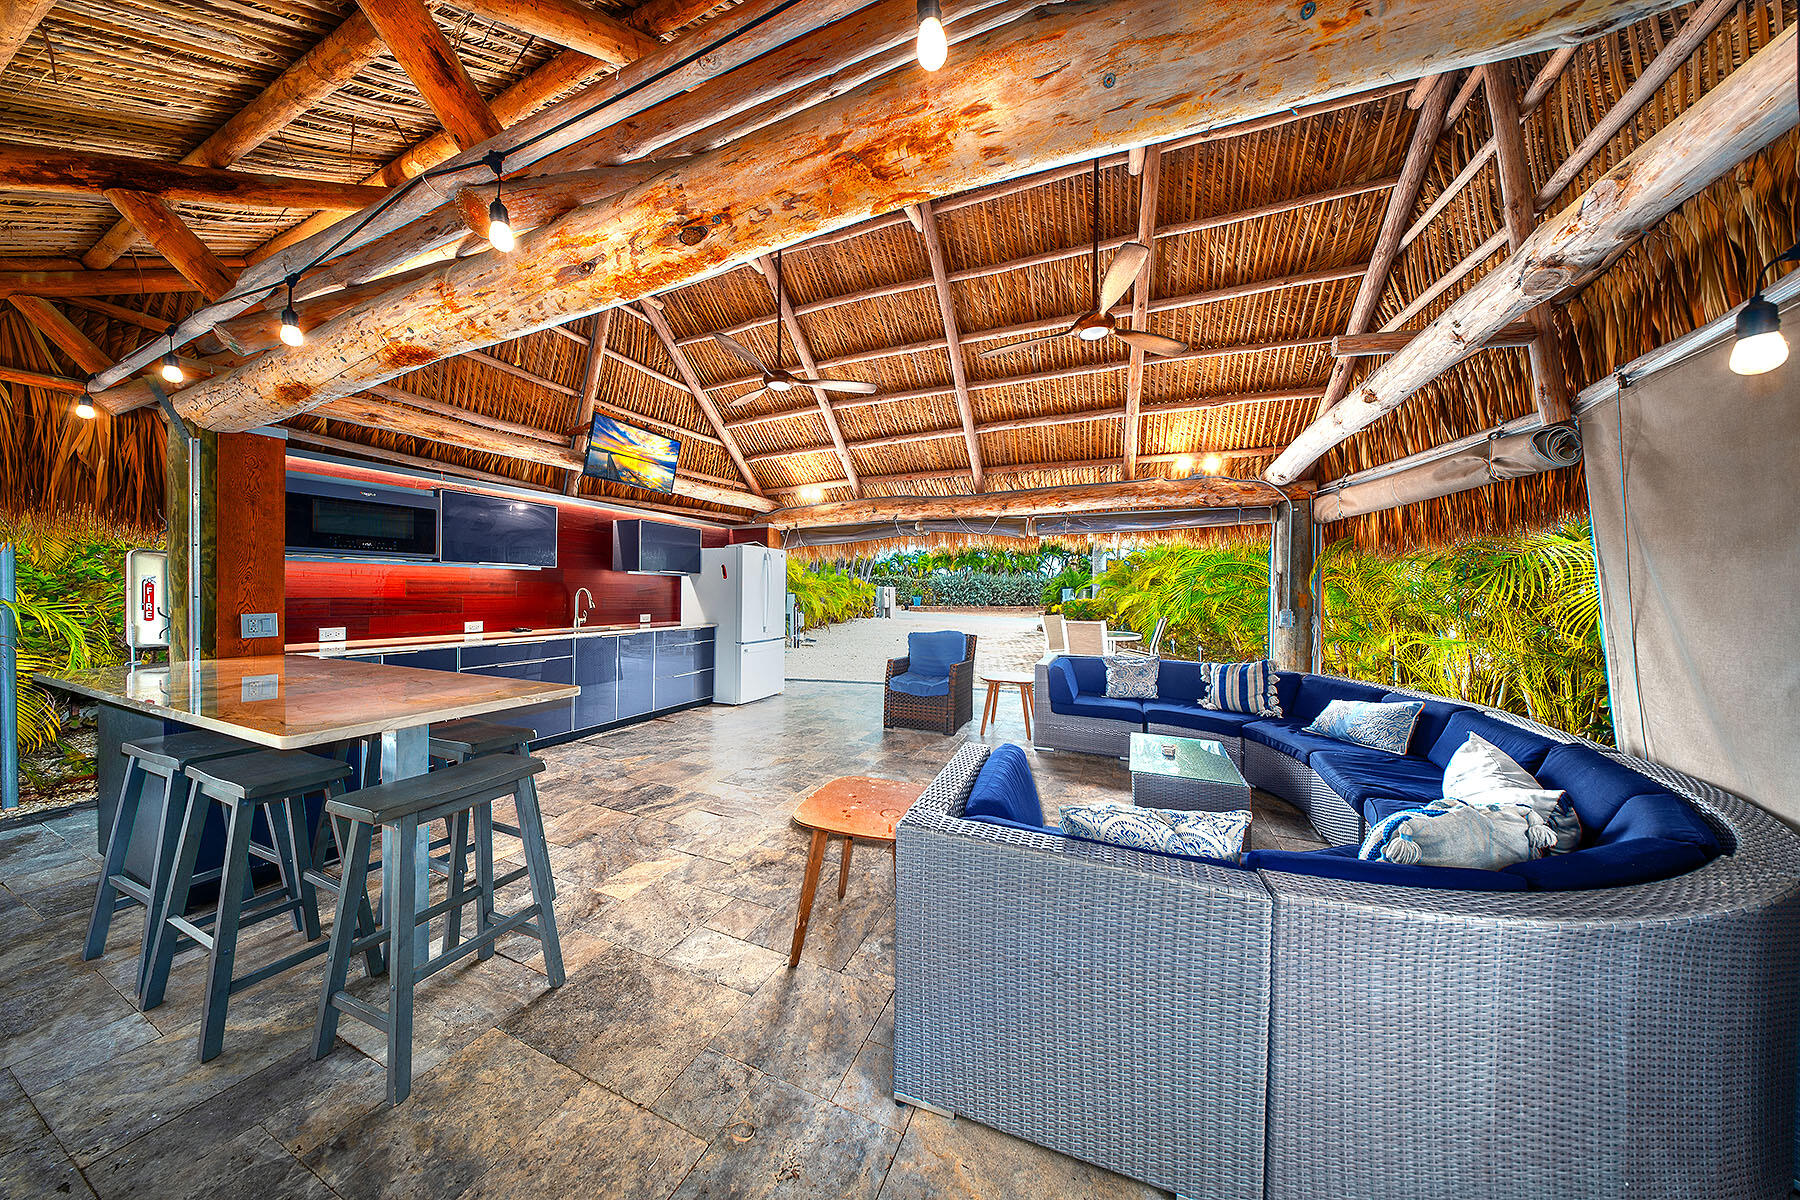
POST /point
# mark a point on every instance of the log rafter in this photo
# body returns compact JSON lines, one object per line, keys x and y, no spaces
{"x":926,"y":222}
{"x":412,"y":36}
{"x":771,"y":269}
{"x":695,"y":389}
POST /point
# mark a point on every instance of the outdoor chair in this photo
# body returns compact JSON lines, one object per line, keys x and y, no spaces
{"x":1155,"y":644}
{"x":1053,"y":633}
{"x":932,"y":687}
{"x":1086,"y":637}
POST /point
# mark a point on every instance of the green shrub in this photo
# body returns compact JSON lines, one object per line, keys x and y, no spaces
{"x":967,"y":588}
{"x":828,"y":594}
{"x":1087,"y":608}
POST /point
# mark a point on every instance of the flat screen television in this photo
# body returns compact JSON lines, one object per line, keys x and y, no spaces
{"x":627,"y":454}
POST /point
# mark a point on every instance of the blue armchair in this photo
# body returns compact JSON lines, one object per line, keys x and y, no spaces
{"x":933,"y":687}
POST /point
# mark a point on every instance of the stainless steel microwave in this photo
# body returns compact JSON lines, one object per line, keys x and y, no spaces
{"x":344,"y":517}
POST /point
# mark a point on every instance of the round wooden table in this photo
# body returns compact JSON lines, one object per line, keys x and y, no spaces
{"x":854,"y":808}
{"x":996,"y":681}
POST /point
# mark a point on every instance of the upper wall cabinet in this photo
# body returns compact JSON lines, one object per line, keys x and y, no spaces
{"x":477,"y":528}
{"x":656,"y":548}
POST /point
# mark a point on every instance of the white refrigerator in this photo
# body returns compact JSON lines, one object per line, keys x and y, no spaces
{"x":743,"y":590}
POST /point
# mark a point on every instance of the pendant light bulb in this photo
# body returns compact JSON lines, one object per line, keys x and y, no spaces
{"x":933,"y":46}
{"x":1760,"y":348}
{"x":171,"y":368}
{"x":85,"y":411}
{"x":290,"y":320}
{"x":500,"y":230}
{"x":1184,"y":466}
{"x":1212,"y":464}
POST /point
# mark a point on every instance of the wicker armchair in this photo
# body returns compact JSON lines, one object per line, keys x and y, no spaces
{"x":939,"y":714}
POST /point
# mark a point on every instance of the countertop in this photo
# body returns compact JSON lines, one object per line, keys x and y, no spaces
{"x":293,"y":701}
{"x":445,"y":641}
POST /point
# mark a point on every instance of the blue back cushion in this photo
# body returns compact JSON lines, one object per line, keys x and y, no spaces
{"x":1316,"y":691}
{"x":1178,"y":680}
{"x":933,"y":654}
{"x":1287,"y":690}
{"x":1060,"y":675}
{"x":1005,"y":789}
{"x":1640,"y":860}
{"x":1089,"y":671}
{"x":1597,"y":786}
{"x":1340,"y":862}
{"x":1521,"y":745}
{"x":1430,"y":726}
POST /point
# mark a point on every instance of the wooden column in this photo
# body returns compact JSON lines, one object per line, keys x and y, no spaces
{"x":227,"y":495}
{"x":590,"y":392}
{"x":1293,"y":588}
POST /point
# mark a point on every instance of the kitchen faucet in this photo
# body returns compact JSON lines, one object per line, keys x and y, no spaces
{"x":581,"y":609}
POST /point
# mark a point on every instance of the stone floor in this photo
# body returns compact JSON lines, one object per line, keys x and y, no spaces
{"x":680,"y":1058}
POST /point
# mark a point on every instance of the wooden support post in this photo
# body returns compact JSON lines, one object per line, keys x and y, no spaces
{"x":412,"y":36}
{"x":717,"y":419}
{"x":803,"y":349}
{"x":18,"y":20}
{"x":165,"y":230}
{"x":573,"y":24}
{"x":591,"y":371}
{"x":226,"y":494}
{"x":1293,"y":588}
{"x":1149,"y":175}
{"x":1549,"y":386}
{"x":926,"y":220}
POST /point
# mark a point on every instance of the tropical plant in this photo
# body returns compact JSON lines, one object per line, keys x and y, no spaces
{"x":1215,"y":598}
{"x":1086,"y":608}
{"x":1074,"y":576}
{"x":826,"y":593}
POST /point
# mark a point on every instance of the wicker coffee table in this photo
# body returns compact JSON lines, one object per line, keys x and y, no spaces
{"x":1187,"y":773}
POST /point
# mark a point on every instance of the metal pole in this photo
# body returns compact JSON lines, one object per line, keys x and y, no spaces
{"x":193,"y":554}
{"x":9,"y":680}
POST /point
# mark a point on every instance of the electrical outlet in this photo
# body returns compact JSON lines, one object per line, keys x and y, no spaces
{"x":331,"y":633}
{"x":259,"y":625}
{"x":643,"y":618}
{"x":259,"y":687}
{"x":471,"y":626}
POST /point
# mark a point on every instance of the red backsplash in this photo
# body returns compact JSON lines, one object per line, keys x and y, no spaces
{"x":380,"y":600}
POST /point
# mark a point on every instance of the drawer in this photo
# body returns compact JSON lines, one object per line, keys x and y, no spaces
{"x":684,"y":689}
{"x":637,"y":654}
{"x":683,"y":658}
{"x":548,"y":670}
{"x":425,"y":660}
{"x":482,"y":655}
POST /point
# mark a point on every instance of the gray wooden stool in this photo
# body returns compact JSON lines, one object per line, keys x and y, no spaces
{"x":407,"y":807}
{"x":457,"y":742}
{"x":166,"y":758}
{"x":276,"y":782}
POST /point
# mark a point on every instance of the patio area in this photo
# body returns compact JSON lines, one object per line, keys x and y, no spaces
{"x":681,"y":1058}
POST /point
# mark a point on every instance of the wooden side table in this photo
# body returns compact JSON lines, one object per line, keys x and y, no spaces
{"x":853,"y":808}
{"x":997,"y":681}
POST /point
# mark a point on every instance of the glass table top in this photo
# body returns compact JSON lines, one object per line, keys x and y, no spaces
{"x":1193,"y":758}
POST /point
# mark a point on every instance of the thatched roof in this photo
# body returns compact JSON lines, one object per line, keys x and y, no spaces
{"x":154,"y":78}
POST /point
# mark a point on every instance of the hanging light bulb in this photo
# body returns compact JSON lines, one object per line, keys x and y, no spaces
{"x":290,"y":320}
{"x":812,"y":493}
{"x":1184,"y":465}
{"x":933,"y":46}
{"x":500,"y":230}
{"x":1212,"y":464}
{"x":85,"y":411}
{"x":171,"y":368}
{"x":1760,"y":348}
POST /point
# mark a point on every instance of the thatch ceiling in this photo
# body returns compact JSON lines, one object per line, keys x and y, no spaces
{"x":154,"y":78}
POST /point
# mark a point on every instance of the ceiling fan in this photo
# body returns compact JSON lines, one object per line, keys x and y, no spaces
{"x":1098,"y":322}
{"x":779,"y":379}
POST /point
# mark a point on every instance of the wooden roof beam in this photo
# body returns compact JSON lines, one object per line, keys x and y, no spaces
{"x":37,"y":379}
{"x":1149,"y":175}
{"x":785,"y":183}
{"x":163,"y":227}
{"x":803,"y":349}
{"x":1372,"y":345}
{"x":1076,"y":464}
{"x":118,"y":281}
{"x":572,"y":24}
{"x":19,"y":19}
{"x":1745,"y":112}
{"x":49,"y":171}
{"x":412,"y":36}
{"x":695,"y":389}
{"x":1133,"y":495}
{"x":926,"y":221}
{"x":1419,"y":152}
{"x":591,"y":369}
{"x":1549,"y":386}
{"x":49,"y":321}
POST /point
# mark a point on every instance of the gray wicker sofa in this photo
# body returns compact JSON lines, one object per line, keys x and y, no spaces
{"x":1227,"y":1032}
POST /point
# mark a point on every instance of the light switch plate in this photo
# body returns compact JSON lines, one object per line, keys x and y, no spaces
{"x":331,"y":633}
{"x":259,"y":625}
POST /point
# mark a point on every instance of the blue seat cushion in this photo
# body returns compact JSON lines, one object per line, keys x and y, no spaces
{"x":1377,"y":809}
{"x":1200,"y":720}
{"x":915,"y":684}
{"x":1004,"y":788}
{"x":1022,"y":826}
{"x":1521,"y":745}
{"x":1597,"y":785}
{"x":1316,"y":691}
{"x":1178,"y":680}
{"x":1293,"y":741}
{"x":1639,"y":860}
{"x":1433,"y":717}
{"x":1340,"y":862}
{"x":1107,"y":708}
{"x":933,"y":654}
{"x":1360,"y":774}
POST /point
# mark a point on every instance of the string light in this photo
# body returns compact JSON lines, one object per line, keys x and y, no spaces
{"x":812,"y":493}
{"x":290,"y":320}
{"x":1212,"y":464}
{"x":933,"y":46}
{"x":500,"y":231}
{"x":1184,"y":465}
{"x":85,"y":411}
{"x":1760,"y":348}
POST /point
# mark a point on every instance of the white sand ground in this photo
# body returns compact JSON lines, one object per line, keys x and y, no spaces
{"x":857,"y":651}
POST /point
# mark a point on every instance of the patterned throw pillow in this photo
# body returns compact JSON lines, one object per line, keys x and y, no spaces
{"x":1132,"y":676}
{"x":1165,"y":830}
{"x":1245,"y":687}
{"x":1369,"y":723}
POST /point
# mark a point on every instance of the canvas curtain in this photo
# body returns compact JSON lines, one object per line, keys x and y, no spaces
{"x":1691,"y":477}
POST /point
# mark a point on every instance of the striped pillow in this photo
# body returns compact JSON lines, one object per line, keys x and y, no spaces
{"x":1244,"y":687}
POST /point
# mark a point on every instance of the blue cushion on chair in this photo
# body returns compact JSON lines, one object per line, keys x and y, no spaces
{"x":915,"y":684}
{"x":1108,"y":708}
{"x":1178,"y":680}
{"x":1316,"y":691}
{"x":1434,"y":716}
{"x":933,"y":654}
{"x":1597,"y":785}
{"x":1340,"y":862}
{"x":1380,"y":808}
{"x":1289,"y":738}
{"x":1359,"y":774}
{"x":1521,"y":745}
{"x":1005,"y":789}
{"x":1639,"y":860}
{"x":1200,"y":720}
{"x":1089,"y":672}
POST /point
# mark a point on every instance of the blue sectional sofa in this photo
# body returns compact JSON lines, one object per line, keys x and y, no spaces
{"x":1254,"y":1031}
{"x":1635,"y":829}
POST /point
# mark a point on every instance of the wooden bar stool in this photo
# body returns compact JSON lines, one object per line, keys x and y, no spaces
{"x":276,"y":783}
{"x":406,"y":808}
{"x":165,"y":758}
{"x":457,"y":742}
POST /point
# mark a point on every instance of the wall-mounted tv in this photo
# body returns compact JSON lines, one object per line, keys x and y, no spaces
{"x":627,"y":454}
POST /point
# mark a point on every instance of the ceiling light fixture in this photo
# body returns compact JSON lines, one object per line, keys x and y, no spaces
{"x":171,"y":366}
{"x":933,"y":46}
{"x":1760,"y":348}
{"x":1212,"y":464}
{"x":812,"y":493}
{"x":290,"y":320}
{"x":1184,"y":465}
{"x":500,"y":231}
{"x":85,"y":411}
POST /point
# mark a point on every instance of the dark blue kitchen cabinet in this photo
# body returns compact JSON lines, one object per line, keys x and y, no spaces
{"x":637,"y":673}
{"x":682,"y":652}
{"x":597,"y":671}
{"x":425,"y":660}
{"x":548,"y":720}
{"x":488,"y":654}
{"x":477,"y":528}
{"x":675,"y":690}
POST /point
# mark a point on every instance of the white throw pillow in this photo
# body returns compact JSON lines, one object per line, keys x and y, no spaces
{"x":1480,"y":766}
{"x":1132,"y":676}
{"x":1482,"y":775}
{"x":1454,"y":835}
